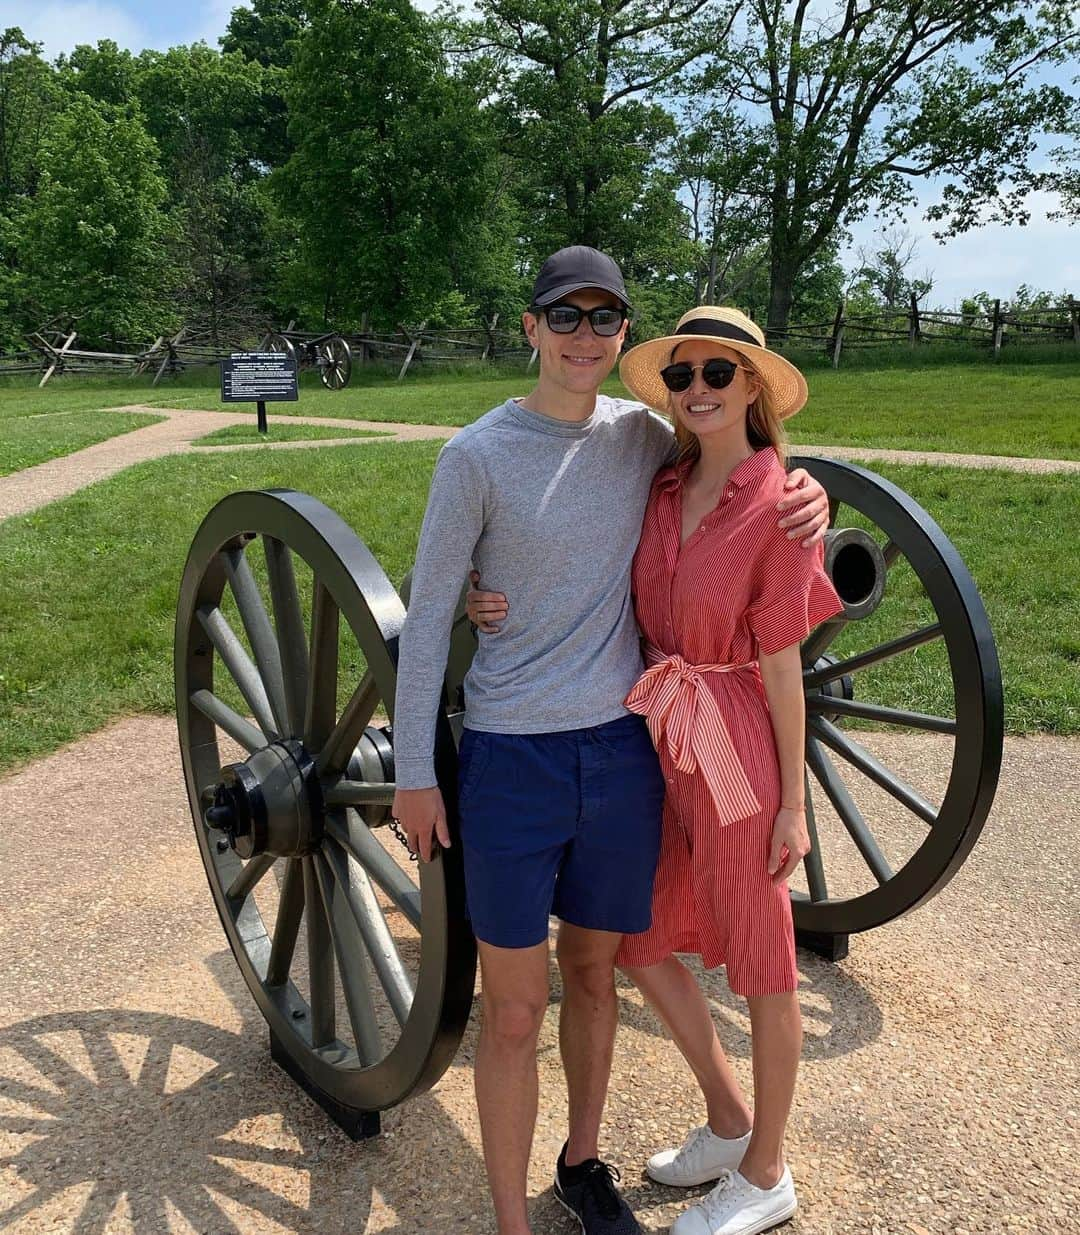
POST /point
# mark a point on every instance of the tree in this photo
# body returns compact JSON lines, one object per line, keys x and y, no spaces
{"x":393,"y":168}
{"x":92,"y":242}
{"x":850,"y":105}
{"x":883,"y":271}
{"x":583,"y":89}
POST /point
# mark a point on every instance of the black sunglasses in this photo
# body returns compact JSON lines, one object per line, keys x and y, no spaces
{"x":565,"y":318}
{"x":717,"y":374}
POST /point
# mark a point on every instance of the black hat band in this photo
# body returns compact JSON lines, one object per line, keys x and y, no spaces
{"x":719,"y":330}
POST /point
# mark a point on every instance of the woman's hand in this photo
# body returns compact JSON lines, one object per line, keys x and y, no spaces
{"x":804,"y":508}
{"x":790,"y":842}
{"x":485,"y":609}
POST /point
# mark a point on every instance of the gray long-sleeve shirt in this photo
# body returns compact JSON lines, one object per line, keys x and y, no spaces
{"x":549,"y":512}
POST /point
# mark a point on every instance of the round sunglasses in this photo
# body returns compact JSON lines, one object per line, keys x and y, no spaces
{"x":717,"y":373}
{"x":565,"y":318}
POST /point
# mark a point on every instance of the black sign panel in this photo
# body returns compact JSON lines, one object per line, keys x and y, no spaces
{"x":259,"y":377}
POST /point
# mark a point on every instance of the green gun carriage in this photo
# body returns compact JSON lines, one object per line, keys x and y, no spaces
{"x":362,"y":961}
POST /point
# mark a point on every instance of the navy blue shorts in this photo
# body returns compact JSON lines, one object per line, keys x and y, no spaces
{"x":559,"y":823}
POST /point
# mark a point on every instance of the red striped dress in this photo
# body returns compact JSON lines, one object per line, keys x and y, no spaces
{"x":738,"y":586}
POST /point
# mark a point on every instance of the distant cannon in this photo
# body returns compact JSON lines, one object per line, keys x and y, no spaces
{"x":329,"y":353}
{"x":361,"y":961}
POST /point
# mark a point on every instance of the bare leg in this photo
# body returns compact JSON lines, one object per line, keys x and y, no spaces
{"x":515,"y":995}
{"x":677,"y":999}
{"x":776,"y":1024}
{"x":588,"y":1019}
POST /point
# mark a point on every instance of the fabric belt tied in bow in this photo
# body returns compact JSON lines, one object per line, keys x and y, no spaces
{"x":679,"y":709}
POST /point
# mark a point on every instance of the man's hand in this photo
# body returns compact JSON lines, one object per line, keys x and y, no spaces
{"x":804,"y":508}
{"x":485,"y":609}
{"x":790,"y":843}
{"x":422,"y":813}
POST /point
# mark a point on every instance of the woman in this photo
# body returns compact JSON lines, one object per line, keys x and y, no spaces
{"x":723,"y":600}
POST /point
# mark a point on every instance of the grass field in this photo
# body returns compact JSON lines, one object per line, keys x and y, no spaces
{"x":34,"y":438}
{"x":1012,"y":408}
{"x":242,"y":435}
{"x":87,"y":609}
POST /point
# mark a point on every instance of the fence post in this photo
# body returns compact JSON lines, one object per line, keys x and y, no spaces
{"x":837,"y":342}
{"x":489,"y":330}
{"x":1074,"y":319}
{"x":365,"y":348}
{"x":914,"y":326}
{"x":999,"y":327}
{"x":414,"y":342}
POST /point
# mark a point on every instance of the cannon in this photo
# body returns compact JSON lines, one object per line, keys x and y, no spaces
{"x":361,"y":960}
{"x":329,"y":353}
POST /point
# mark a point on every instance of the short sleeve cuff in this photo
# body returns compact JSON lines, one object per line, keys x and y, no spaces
{"x":791,"y":618}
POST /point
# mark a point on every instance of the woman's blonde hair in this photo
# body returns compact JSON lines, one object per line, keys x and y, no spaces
{"x":763,"y":426}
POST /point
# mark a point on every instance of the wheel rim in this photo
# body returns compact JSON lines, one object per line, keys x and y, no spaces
{"x":335,"y":363}
{"x":373,"y":1008}
{"x":279,"y":343}
{"x":939,"y":828}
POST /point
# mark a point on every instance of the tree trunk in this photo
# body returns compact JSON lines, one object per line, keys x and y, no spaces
{"x":783,"y":270}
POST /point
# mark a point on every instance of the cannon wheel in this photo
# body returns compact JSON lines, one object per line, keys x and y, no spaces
{"x":275,"y":342}
{"x":308,"y":800}
{"x":941,"y":607}
{"x":335,"y":367}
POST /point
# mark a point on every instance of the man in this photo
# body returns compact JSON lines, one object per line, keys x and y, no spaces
{"x":560,"y":792}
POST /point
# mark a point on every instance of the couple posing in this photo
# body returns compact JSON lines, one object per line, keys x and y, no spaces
{"x":653,"y":808}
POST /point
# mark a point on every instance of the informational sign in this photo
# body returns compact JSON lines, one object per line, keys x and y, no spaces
{"x":259,"y":377}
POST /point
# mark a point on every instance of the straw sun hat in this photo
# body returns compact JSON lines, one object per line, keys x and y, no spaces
{"x":640,"y":367}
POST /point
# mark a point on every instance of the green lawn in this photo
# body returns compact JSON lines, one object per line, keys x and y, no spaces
{"x":973,"y":406}
{"x":237,"y":435}
{"x":30,"y":439}
{"x":86,"y":613}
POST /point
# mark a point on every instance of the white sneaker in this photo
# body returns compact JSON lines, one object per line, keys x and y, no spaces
{"x":736,"y":1207}
{"x":701,"y":1158}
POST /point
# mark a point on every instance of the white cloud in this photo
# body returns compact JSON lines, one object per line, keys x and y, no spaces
{"x":62,"y":25}
{"x":213,"y":18}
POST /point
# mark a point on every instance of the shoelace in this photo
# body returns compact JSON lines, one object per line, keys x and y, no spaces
{"x":599,"y":1185}
{"x":694,"y":1144}
{"x":720,"y":1197}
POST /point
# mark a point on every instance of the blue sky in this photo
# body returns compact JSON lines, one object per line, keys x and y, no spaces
{"x":994,"y":259}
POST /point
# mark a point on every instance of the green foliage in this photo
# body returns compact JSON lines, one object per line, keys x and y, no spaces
{"x":93,"y":240}
{"x":393,"y":167}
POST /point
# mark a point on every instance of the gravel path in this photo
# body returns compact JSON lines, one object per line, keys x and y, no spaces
{"x":56,"y":478}
{"x":36,"y":486}
{"x":938,"y":1093}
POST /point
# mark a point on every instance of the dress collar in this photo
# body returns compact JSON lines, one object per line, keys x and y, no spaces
{"x":749,"y":471}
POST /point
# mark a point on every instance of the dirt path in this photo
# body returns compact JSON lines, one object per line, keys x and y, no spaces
{"x":27,"y":490}
{"x":938,"y":1092}
{"x":56,"y":478}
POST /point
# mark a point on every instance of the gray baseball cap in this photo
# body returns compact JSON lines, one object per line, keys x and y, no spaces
{"x":574,"y":269}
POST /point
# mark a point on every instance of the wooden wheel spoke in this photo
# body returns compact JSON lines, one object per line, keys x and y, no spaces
{"x":850,"y":815}
{"x":361,"y":899}
{"x":287,"y":925}
{"x":818,"y":640}
{"x":320,"y":708}
{"x":354,"y":837}
{"x":289,"y":621}
{"x":244,"y":883}
{"x":891,"y":552}
{"x":883,"y":715}
{"x":357,"y":714}
{"x":349,"y":949}
{"x":242,"y":731}
{"x":240,"y":666}
{"x":260,"y":633}
{"x":320,"y":960}
{"x":872,"y":656}
{"x":859,"y":757}
{"x":812,"y":863}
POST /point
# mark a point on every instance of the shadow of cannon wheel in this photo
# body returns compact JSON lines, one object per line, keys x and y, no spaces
{"x":113,"y":1110}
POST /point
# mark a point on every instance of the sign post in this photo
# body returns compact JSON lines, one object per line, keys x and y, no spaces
{"x":260,"y":378}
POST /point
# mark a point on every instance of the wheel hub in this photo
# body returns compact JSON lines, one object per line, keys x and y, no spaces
{"x":838,"y":688}
{"x":270,"y":803}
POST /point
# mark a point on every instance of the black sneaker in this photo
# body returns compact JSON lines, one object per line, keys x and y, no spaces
{"x":588,"y":1191}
